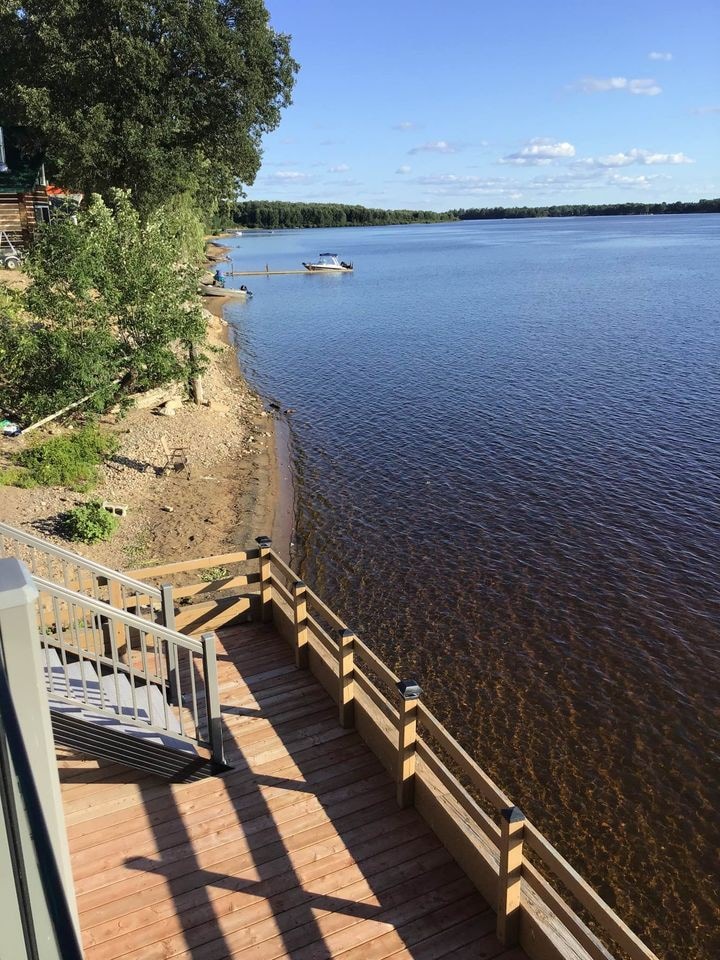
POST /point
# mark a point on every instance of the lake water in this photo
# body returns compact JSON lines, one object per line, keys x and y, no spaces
{"x":507,"y":450}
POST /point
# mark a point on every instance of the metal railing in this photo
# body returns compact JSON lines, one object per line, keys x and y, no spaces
{"x":79,"y":573}
{"x":42,"y":905}
{"x":118,"y":664}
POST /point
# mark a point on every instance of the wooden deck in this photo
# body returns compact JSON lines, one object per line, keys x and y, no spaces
{"x":299,"y":851}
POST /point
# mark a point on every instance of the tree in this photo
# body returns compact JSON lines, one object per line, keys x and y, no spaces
{"x":156,"y":97}
{"x":113,"y":298}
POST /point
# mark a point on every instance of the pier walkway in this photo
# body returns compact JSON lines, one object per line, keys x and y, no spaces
{"x":300,"y":850}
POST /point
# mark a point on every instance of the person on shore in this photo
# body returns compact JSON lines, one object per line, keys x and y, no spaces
{"x":219,"y":278}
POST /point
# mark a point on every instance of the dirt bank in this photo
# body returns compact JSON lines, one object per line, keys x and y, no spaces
{"x":225,"y":497}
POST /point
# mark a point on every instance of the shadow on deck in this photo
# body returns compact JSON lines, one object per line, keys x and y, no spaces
{"x":298,"y":851}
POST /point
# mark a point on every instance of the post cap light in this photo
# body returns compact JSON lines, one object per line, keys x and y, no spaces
{"x":409,"y":689}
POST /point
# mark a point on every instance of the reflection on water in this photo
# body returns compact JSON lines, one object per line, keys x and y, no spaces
{"x":509,"y":483}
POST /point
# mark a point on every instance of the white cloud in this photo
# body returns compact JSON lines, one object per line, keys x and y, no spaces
{"x":540,"y":152}
{"x":286,"y":176}
{"x":436,"y":146}
{"x":404,"y":168}
{"x":452,"y":185}
{"x":643,"y":157}
{"x":659,"y":56}
{"x":631,"y":183}
{"x":405,"y":125}
{"x":339,"y":168}
{"x":701,"y":111}
{"x":643,"y":86}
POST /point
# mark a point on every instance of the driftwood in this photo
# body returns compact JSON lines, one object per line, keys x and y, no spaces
{"x":67,"y":409}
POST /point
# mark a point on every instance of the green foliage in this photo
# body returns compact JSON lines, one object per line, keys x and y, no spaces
{"x":160,"y":98}
{"x":214,"y":573}
{"x":90,"y":523}
{"x":69,"y":461}
{"x":16,"y":477}
{"x":115,"y":297}
{"x":274,"y":214}
{"x":586,"y":210}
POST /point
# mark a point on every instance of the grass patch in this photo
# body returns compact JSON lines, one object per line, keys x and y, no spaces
{"x":214,"y":573}
{"x":68,"y":461}
{"x":90,"y":523}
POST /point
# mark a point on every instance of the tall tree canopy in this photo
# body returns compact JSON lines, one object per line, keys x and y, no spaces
{"x":156,"y":97}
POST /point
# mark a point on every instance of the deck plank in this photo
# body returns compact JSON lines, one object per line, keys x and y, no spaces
{"x":298,"y":851}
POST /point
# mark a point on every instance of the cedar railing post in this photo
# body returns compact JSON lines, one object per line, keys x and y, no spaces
{"x":512,"y":826}
{"x":264,"y":543}
{"x":299,"y":592}
{"x":346,"y":678}
{"x":407,"y":741}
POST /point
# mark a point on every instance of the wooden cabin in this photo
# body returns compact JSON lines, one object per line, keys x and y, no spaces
{"x":23,"y":190}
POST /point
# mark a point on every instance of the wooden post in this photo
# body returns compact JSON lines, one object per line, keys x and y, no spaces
{"x":117,"y":628}
{"x":346,"y":678}
{"x":299,"y":592}
{"x":407,"y":741}
{"x":264,"y":543}
{"x":512,"y":826}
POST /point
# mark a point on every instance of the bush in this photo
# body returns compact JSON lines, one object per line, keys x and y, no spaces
{"x":69,"y":461}
{"x":90,"y":523}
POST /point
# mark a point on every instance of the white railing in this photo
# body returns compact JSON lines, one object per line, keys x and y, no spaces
{"x":86,"y":576}
{"x":121,"y":665}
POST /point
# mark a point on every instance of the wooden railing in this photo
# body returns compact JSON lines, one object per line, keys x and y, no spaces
{"x":429,"y":765}
{"x":513,"y":865}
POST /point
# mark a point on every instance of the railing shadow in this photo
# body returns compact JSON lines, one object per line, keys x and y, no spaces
{"x":298,"y":851}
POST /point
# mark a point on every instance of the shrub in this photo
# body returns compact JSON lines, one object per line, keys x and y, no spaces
{"x":15,"y":477}
{"x":71,"y":460}
{"x":214,"y":573}
{"x":90,"y":523}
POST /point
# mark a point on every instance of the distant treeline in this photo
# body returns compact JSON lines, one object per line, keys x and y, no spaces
{"x":585,"y":210}
{"x":275,"y":214}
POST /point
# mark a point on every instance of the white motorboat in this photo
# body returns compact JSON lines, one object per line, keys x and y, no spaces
{"x":329,"y":262}
{"x":215,"y":290}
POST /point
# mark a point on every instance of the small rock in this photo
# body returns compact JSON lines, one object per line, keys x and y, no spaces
{"x":167,"y":509}
{"x":167,"y":412}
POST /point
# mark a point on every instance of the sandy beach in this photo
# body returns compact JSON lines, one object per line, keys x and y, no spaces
{"x":229,"y":493}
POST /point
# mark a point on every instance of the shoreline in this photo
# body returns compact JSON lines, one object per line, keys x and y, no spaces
{"x":238,"y":484}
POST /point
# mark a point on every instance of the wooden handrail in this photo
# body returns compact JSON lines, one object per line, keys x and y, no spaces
{"x":376,"y":695}
{"x":584,"y":893}
{"x":283,"y":591}
{"x":316,"y":631}
{"x":333,"y":619}
{"x":479,"y":779}
{"x":582,"y":933}
{"x":374,"y":661}
{"x":306,"y":610}
{"x":281,"y":565}
{"x":201,"y":563}
{"x":456,"y":789}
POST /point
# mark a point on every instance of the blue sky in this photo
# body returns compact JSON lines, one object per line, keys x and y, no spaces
{"x":437,"y":105}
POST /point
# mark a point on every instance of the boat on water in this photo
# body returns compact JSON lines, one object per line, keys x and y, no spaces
{"x":215,"y":290}
{"x":329,"y":262}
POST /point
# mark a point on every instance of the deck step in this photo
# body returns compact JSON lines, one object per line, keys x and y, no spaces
{"x":78,"y":701}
